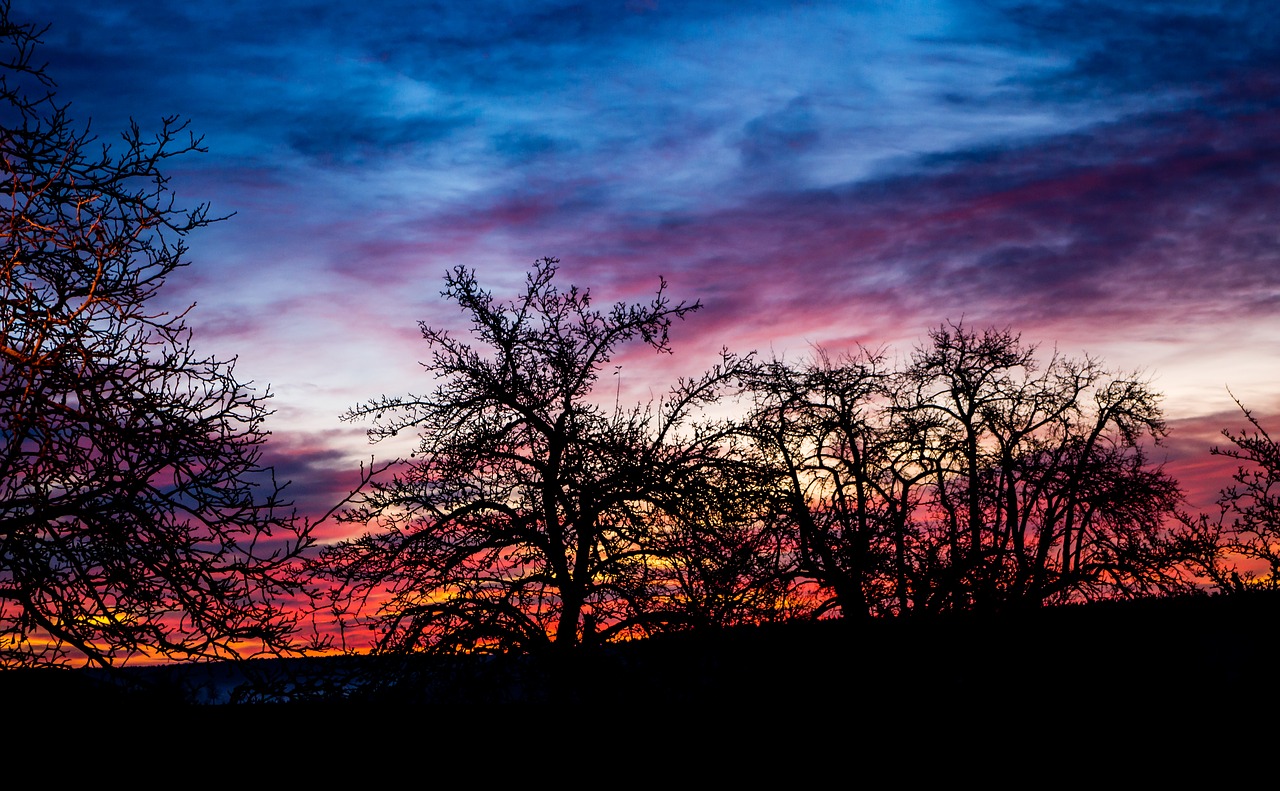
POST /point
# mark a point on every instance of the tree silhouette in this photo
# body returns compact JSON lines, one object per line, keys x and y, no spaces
{"x":134,"y":513}
{"x":974,"y":477}
{"x":1044,"y":490}
{"x":532,"y":516}
{"x":1242,"y":544}
{"x":847,"y":471}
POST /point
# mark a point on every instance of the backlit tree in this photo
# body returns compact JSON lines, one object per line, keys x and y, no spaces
{"x":135,"y":516}
{"x":975,"y":476}
{"x":1242,"y":543}
{"x":531,"y":515}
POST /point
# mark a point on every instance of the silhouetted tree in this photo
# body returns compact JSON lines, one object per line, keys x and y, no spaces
{"x":847,"y":469}
{"x":731,"y":561}
{"x":1043,"y":491}
{"x":1242,"y":544}
{"x":530,"y":515}
{"x":134,"y":513}
{"x":970,"y":478}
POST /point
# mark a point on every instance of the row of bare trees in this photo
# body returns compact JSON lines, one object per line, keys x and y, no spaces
{"x":137,"y":517}
{"x":974,"y":476}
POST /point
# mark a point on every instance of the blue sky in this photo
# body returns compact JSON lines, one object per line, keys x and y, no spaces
{"x":1102,"y":176}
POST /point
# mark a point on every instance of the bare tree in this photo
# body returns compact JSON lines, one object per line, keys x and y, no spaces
{"x":731,"y":560}
{"x":1242,"y":543}
{"x":531,"y":515}
{"x":135,"y":516}
{"x":848,"y":467}
{"x":1043,"y":491}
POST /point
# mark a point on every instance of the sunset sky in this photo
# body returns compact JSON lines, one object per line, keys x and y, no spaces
{"x":1099,"y":176}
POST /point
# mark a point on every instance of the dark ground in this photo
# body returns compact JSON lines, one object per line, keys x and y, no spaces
{"x":1190,"y":653}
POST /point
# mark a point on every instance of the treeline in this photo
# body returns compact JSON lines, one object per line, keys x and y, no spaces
{"x":972,"y":476}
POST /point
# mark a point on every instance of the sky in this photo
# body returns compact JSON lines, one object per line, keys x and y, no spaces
{"x":1101,"y":177}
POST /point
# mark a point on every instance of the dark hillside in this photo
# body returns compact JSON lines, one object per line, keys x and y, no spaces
{"x":1184,"y":651}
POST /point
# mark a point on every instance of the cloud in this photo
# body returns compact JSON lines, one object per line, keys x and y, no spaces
{"x":359,"y":141}
{"x":1188,"y":455}
{"x":780,"y":135}
{"x":523,"y":148}
{"x":319,"y":472}
{"x":1140,"y":47}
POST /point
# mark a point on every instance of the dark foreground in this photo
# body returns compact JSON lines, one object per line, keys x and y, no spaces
{"x":1181,"y":651}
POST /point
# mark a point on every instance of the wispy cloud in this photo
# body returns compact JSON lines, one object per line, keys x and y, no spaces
{"x":1099,"y":174}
